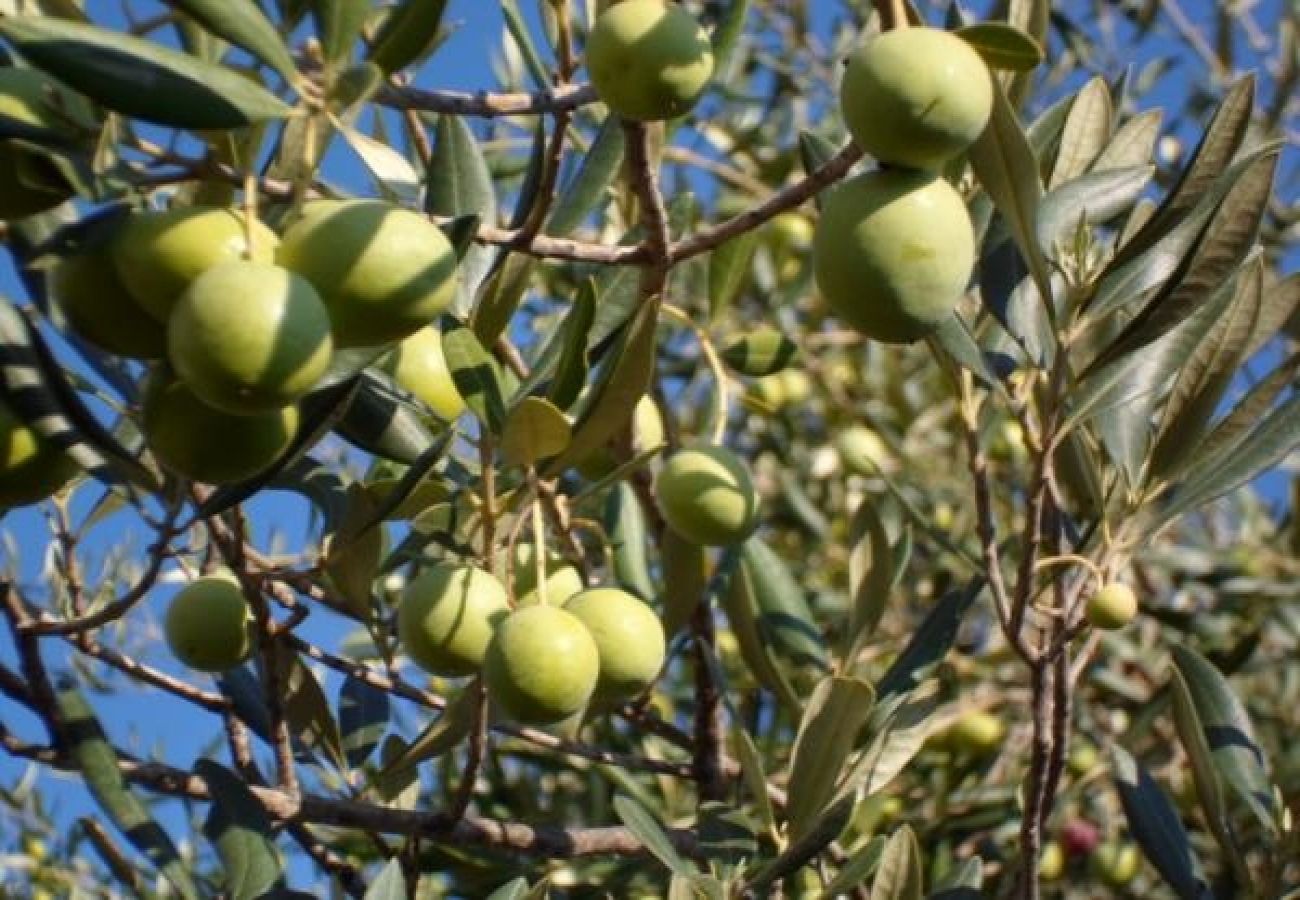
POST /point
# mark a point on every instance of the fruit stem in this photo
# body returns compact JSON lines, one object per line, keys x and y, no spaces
{"x":1071,"y":559}
{"x":898,"y":12}
{"x":250,"y":211}
{"x":714,"y":362}
{"x":539,"y":540}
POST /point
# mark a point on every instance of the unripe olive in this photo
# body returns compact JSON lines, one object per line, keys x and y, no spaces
{"x":893,"y":253}
{"x":1051,"y":864}
{"x":207,"y":624}
{"x":446,"y":618}
{"x":562,"y":579}
{"x":1083,"y":759}
{"x":707,"y":496}
{"x":862,"y":451}
{"x":205,"y":444}
{"x":647,"y":432}
{"x":763,"y":351}
{"x":1115,"y":863}
{"x":1114,"y":606}
{"x":648,"y":59}
{"x":916,"y":97}
{"x":31,"y":468}
{"x":629,"y":638}
{"x":249,"y":337}
{"x":101,"y":310}
{"x":541,"y":665}
{"x":158,"y":254}
{"x":977,"y":732}
{"x":383,"y":272}
{"x":419,"y":365}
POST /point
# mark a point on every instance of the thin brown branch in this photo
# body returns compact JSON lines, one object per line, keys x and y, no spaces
{"x":464,"y":795}
{"x":487,"y":104}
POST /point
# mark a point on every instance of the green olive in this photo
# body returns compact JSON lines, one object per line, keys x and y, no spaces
{"x":447,"y":616}
{"x":207,"y":624}
{"x":1114,"y":606}
{"x":541,"y":666}
{"x":629,"y":638}
{"x":707,"y":496}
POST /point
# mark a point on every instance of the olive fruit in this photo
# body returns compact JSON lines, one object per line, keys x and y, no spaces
{"x":249,"y":337}
{"x":418,"y":364}
{"x":1115,"y":863}
{"x":541,"y":665}
{"x":205,"y":444}
{"x":1114,"y":606}
{"x":772,"y":393}
{"x":707,"y":496}
{"x":977,"y":732}
{"x":916,"y":97}
{"x":1051,"y":863}
{"x":158,"y":254}
{"x":629,"y":638}
{"x":763,"y":351}
{"x":893,"y":253}
{"x":30,"y":183}
{"x":862,"y":451}
{"x":446,"y":617}
{"x":207,"y":624}
{"x":648,"y":59}
{"x":384,"y":272}
{"x":562,"y":579}
{"x":101,"y":310}
{"x":31,"y":469}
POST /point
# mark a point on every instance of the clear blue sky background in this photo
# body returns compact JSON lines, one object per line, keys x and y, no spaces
{"x":144,"y":720}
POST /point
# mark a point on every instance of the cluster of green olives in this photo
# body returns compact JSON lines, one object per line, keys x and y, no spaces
{"x":244,"y":323}
{"x":894,"y":248}
{"x":562,"y":649}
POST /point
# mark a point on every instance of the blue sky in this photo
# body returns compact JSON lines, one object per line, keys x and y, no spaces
{"x":141,"y":719}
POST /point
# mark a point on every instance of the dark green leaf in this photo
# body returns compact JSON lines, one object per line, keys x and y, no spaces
{"x":363,"y":718}
{"x":90,"y":750}
{"x":354,"y":550}
{"x":460,"y":184}
{"x":930,"y":642}
{"x":518,"y":29}
{"x":141,"y":79}
{"x":1237,"y":756}
{"x":727,"y":34}
{"x":837,"y":709}
{"x":625,"y":524}
{"x":307,"y":709}
{"x":534,"y":430}
{"x":511,"y":890}
{"x":408,"y":33}
{"x":684,"y":577}
{"x":856,"y":869}
{"x":1003,"y":46}
{"x":571,"y":370}
{"x":1157,"y":829}
{"x":1223,"y":138}
{"x":590,"y":184}
{"x":728,"y":270}
{"x":784,"y":619}
{"x":380,"y":420}
{"x":476,"y":374}
{"x":242,"y":23}
{"x":726,"y":836}
{"x":338,"y":25}
{"x":237,"y":825}
{"x":871,"y":575}
{"x":1006,"y":166}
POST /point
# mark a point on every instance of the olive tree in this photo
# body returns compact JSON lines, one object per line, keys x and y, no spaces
{"x":714,"y":473}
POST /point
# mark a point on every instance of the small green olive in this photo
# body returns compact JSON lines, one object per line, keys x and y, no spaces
{"x":207,"y":624}
{"x":1114,"y":606}
{"x":446,"y":618}
{"x":707,"y":496}
{"x":541,"y":665}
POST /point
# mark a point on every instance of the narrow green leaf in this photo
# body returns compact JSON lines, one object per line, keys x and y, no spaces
{"x":1237,"y":756}
{"x":89,"y":747}
{"x":363,"y":719}
{"x":837,"y":709}
{"x":590,"y":184}
{"x":898,"y":876}
{"x":815,"y":151}
{"x":523,"y":38}
{"x":391,"y":883}
{"x":392,"y":172}
{"x":754,"y":774}
{"x":237,"y":825}
{"x":1133,"y":144}
{"x":476,"y":374}
{"x":1233,"y":428}
{"x":1156,"y":827}
{"x":1003,"y":46}
{"x":871,"y":575}
{"x":397,"y":786}
{"x":338,"y":25}
{"x":571,"y":370}
{"x":511,"y":890}
{"x":728,"y":270}
{"x":784,"y":619}
{"x":856,"y":869}
{"x":642,"y":824}
{"x":896,"y":732}
{"x":243,"y":24}
{"x":1229,"y":235}
{"x":534,"y":430}
{"x":726,"y":837}
{"x":1086,"y":132}
{"x":407,"y":35}
{"x":441,"y":735}
{"x":930,"y":642}
{"x":1215,"y":152}
{"x":460,"y":184}
{"x":954,"y":338}
{"x":354,"y":551}
{"x":740,"y":603}
{"x":381,"y":420}
{"x":307,"y":710}
{"x":1006,"y":166}
{"x":141,"y":79}
{"x":685,"y":579}
{"x":625,"y":524}
{"x":1095,"y":199}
